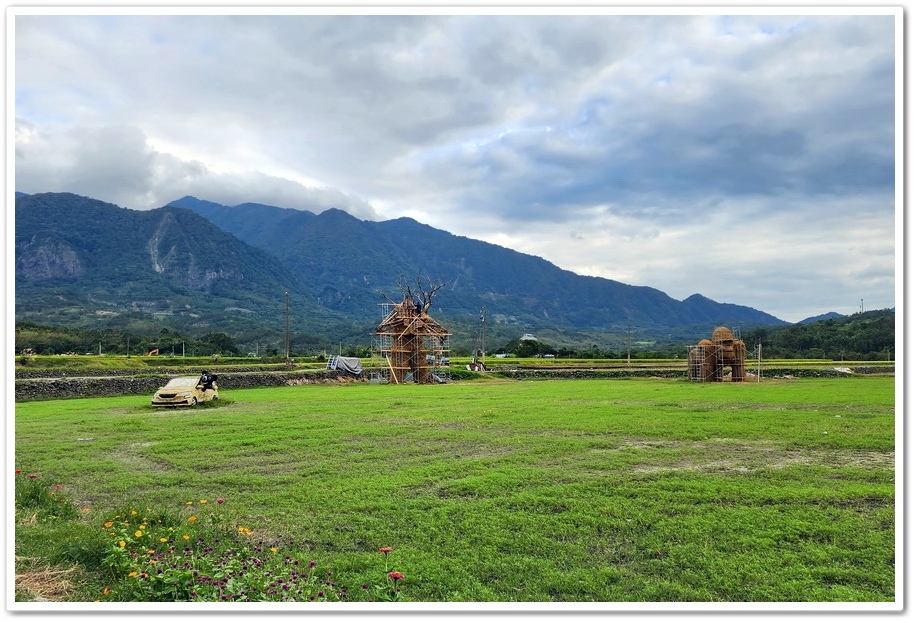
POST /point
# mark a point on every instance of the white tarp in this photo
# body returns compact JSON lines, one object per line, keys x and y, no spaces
{"x":348,"y":364}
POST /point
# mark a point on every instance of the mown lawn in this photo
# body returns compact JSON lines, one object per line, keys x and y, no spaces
{"x":589,"y":491}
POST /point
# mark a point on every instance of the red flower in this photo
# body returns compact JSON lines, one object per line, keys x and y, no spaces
{"x":396,"y":575}
{"x":18,"y":471}
{"x":220,"y":500}
{"x":34,"y":476}
{"x":58,"y":487}
{"x":385,"y":550}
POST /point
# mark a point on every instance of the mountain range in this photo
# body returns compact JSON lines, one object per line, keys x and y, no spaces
{"x":200,"y":266}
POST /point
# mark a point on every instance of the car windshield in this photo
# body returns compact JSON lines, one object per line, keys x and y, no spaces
{"x":183,"y":381}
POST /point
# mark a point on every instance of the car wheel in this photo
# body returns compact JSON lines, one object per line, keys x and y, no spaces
{"x":193,"y":402}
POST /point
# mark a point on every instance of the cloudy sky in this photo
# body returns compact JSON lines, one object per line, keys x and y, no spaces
{"x":747,"y":158}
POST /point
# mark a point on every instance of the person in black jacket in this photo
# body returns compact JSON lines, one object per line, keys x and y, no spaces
{"x":207,"y":380}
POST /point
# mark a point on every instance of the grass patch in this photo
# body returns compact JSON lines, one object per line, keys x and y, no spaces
{"x":598,"y":491}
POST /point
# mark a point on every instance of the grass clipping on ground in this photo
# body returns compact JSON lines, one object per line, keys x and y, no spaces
{"x":45,"y":584}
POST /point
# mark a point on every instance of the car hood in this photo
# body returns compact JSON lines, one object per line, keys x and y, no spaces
{"x":183,"y":387}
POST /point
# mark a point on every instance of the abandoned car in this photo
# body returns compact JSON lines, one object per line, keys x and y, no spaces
{"x":187,"y":391}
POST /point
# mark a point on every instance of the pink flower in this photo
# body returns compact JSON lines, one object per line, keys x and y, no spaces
{"x":385,"y":550}
{"x":34,"y":476}
{"x":220,"y":500}
{"x":396,"y":575}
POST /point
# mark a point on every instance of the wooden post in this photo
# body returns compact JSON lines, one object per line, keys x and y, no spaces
{"x":759,"y":357}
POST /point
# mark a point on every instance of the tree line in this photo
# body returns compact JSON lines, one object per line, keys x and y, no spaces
{"x":32,"y":338}
{"x":865,"y":336}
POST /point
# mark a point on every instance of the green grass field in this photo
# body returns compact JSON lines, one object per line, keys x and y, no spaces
{"x":589,"y":491}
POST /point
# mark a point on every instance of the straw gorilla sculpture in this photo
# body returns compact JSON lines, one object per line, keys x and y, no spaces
{"x":709,"y":358}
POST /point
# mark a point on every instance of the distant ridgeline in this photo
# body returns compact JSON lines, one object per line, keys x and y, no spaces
{"x":199,"y":267}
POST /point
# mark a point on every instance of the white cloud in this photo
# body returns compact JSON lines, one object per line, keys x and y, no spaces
{"x":117,"y":164}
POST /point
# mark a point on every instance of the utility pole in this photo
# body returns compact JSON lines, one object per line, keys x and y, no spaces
{"x":287,"y":326}
{"x":483,"y":335}
{"x":629,"y":327}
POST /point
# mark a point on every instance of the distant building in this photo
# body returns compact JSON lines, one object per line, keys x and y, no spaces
{"x":528,"y":336}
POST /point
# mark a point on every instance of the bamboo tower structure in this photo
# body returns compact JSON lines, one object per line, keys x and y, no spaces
{"x":413,"y":345}
{"x":707,"y":360}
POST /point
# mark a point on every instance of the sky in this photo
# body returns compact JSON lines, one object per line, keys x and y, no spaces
{"x":750,"y":158}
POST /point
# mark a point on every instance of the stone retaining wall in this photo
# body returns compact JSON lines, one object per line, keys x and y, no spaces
{"x":81,"y":387}
{"x":124,"y":385}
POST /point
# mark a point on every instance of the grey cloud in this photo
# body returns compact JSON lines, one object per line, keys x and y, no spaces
{"x":514,"y":123}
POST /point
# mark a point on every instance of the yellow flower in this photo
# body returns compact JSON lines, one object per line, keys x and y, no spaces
{"x":203,"y":501}
{"x":133,"y":512}
{"x":85,"y":509}
{"x":142,"y":526}
{"x":106,"y":590}
{"x":273,"y":549}
{"x":244,"y":530}
{"x":138,"y":534}
{"x":162,"y":539}
{"x":189,"y":503}
{"x":122,"y":543}
{"x":192,"y":518}
{"x":186,"y":537}
{"x":132,"y":574}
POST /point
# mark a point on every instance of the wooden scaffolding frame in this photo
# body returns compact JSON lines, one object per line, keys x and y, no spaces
{"x":413,"y":346}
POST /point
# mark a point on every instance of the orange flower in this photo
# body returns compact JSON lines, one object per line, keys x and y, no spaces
{"x":192,"y":518}
{"x":109,"y":524}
